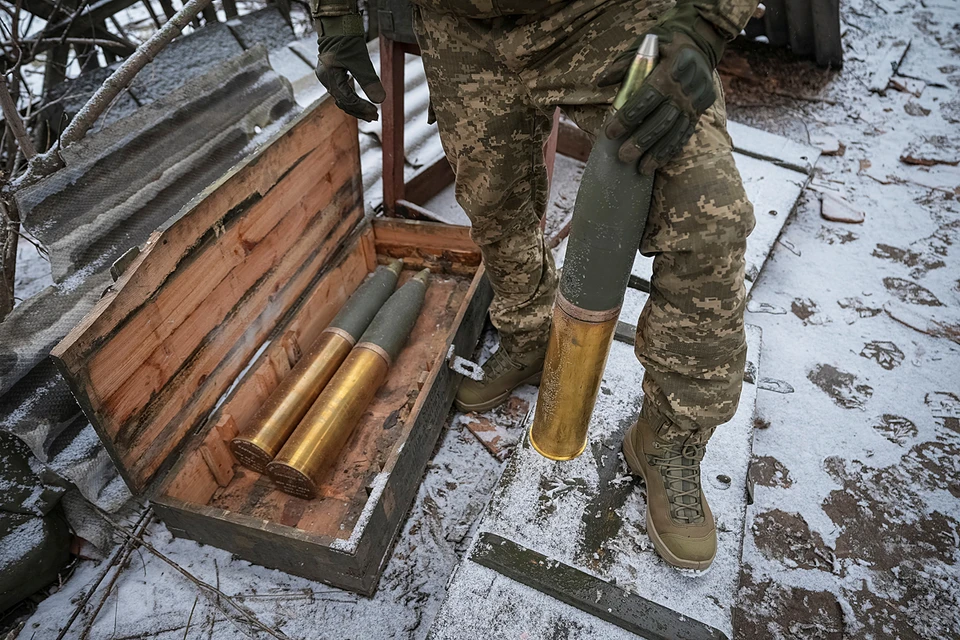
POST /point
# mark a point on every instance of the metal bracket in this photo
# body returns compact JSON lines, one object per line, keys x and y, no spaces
{"x":463,"y":366}
{"x":120,"y":264}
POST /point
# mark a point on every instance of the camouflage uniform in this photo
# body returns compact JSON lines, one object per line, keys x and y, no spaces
{"x":495,"y":81}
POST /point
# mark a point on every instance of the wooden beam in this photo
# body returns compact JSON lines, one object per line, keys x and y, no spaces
{"x":573,"y":142}
{"x":391,"y":75}
{"x":89,"y":18}
{"x":429,"y":182}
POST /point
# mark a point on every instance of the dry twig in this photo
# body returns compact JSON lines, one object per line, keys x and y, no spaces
{"x":14,"y":121}
{"x":145,"y":518}
{"x":208,"y":590}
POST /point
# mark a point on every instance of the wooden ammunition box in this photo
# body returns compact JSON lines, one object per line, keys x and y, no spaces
{"x":217,"y":308}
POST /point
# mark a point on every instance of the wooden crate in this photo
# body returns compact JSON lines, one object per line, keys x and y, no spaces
{"x":200,"y":329}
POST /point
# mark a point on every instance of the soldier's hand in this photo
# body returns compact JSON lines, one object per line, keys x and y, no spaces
{"x":342,"y":50}
{"x":662,"y":114}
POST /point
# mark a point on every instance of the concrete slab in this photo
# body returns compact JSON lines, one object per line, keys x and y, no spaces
{"x":589,"y":513}
{"x":774,"y":191}
{"x":633,"y":301}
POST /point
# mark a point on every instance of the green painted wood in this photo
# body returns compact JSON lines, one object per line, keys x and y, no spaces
{"x":588,"y":593}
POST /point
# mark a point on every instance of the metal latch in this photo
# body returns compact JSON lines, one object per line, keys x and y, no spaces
{"x":463,"y":366}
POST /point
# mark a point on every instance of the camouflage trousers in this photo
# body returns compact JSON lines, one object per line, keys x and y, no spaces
{"x":494,"y":86}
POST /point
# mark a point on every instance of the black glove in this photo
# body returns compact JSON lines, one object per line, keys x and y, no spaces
{"x":663,"y":113}
{"x":342,"y":48}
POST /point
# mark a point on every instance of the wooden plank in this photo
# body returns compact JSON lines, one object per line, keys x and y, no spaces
{"x":219,"y":460}
{"x":428,"y":236}
{"x":779,"y":150}
{"x":577,"y":144}
{"x":435,"y":245}
{"x":572,"y":141}
{"x":800,"y":20}
{"x":268,"y":544}
{"x":429,"y":181}
{"x":180,"y":368}
{"x":775,"y":23}
{"x":887,"y":65}
{"x":826,"y":29}
{"x":197,"y":296}
{"x":391,"y":74}
{"x":182,"y":407}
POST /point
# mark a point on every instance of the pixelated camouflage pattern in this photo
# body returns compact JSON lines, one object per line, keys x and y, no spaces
{"x":331,"y":8}
{"x":494,"y":85}
{"x":729,"y":16}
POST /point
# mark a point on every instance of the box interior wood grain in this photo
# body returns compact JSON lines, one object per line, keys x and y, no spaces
{"x":218,"y":307}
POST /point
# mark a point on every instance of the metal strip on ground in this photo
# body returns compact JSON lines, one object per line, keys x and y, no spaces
{"x":588,"y":593}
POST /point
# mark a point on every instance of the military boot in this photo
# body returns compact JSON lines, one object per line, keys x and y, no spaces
{"x":502,"y":373}
{"x":679,"y":521}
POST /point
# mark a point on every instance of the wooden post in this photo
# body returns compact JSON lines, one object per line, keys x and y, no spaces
{"x":230,"y":9}
{"x":210,"y":14}
{"x":391,"y":75}
{"x":168,"y":10}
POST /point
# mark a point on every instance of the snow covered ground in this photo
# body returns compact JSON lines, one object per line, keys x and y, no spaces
{"x":854,"y":532}
{"x":855,"y":528}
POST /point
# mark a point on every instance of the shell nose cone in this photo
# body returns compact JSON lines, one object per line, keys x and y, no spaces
{"x":648,"y":48}
{"x":422,"y":277}
{"x":395,"y":266}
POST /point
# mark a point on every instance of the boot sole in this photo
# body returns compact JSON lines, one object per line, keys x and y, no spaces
{"x":633,"y":461}
{"x":497,"y":400}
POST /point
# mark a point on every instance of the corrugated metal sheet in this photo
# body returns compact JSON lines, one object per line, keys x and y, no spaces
{"x":118,"y":186}
{"x":421,"y":140}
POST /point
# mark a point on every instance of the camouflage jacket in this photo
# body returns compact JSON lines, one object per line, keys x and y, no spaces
{"x":728,"y":16}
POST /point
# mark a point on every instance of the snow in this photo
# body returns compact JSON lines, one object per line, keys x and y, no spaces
{"x":871,"y":546}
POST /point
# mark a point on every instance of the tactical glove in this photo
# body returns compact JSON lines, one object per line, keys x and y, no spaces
{"x":662,"y":114}
{"x":342,"y":48}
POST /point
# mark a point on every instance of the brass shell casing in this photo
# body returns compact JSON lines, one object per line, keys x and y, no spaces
{"x":316,"y":443}
{"x":290,"y":401}
{"x":572,"y":371}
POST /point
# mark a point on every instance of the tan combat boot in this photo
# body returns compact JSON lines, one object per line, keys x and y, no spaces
{"x":679,"y":521}
{"x":501,"y":375}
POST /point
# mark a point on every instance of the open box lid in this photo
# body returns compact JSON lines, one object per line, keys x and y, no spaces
{"x":152,"y":361}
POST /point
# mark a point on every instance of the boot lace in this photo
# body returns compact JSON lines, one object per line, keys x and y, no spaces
{"x":679,"y":465}
{"x":498,"y":364}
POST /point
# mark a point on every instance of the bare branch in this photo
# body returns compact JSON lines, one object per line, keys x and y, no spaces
{"x":211,"y":592}
{"x":46,"y":163}
{"x":14,"y":121}
{"x":113,"y":85}
{"x":106,"y":44}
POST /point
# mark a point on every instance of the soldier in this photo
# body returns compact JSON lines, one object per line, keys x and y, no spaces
{"x":496,"y":71}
